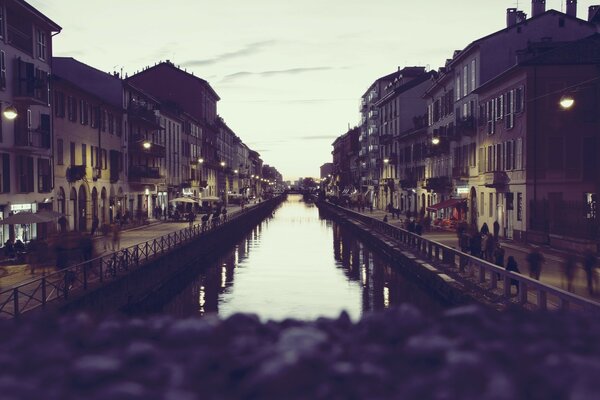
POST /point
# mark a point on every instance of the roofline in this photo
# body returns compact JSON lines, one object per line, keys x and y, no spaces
{"x":70,"y":83}
{"x":388,"y":76}
{"x":407,"y":86}
{"x":126,"y":83}
{"x":472,"y":45}
{"x":55,"y":27}
{"x":88,"y":66}
{"x":169,"y":64}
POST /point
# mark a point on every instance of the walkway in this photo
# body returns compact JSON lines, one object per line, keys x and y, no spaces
{"x":552,"y":268}
{"x":11,"y":275}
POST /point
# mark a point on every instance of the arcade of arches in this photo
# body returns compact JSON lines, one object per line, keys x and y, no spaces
{"x":83,"y":204}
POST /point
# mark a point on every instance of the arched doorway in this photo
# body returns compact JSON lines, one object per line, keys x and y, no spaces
{"x":103,"y":205}
{"x":73,"y":206}
{"x":82,"y":203}
{"x":472,"y":212}
{"x":95,"y":203}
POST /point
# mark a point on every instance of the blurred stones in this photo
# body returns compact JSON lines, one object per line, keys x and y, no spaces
{"x":466,"y":353}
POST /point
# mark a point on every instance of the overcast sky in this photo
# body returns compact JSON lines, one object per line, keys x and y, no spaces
{"x":290,"y":73}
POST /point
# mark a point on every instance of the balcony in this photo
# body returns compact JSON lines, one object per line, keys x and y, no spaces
{"x":141,"y":113}
{"x":438,"y":184}
{"x":460,"y":172}
{"x":137,"y":144}
{"x":495,"y":179}
{"x":373,"y":114}
{"x":466,"y":126}
{"x":144,"y":174}
{"x":38,"y":139}
{"x":75,"y":173}
{"x":408,"y":183}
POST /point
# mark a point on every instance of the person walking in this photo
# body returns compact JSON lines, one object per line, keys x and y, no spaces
{"x":499,"y":255}
{"x":496,"y":229}
{"x":535,"y":260}
{"x":116,"y":237}
{"x":475,"y":244}
{"x":511,"y":265}
{"x":385,"y":218}
{"x":105,"y":232}
{"x":569,"y":267}
{"x":95,"y":222}
{"x":590,"y":262}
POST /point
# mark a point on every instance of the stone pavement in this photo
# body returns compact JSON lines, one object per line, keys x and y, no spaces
{"x":12,"y":275}
{"x":552,"y":268}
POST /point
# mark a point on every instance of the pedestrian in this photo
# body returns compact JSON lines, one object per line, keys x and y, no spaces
{"x":570,"y":265}
{"x":491,"y":247}
{"x":385,"y":218}
{"x":191,"y":218}
{"x":95,"y":222}
{"x":535,"y":260}
{"x":485,"y":243}
{"x":484,"y":229}
{"x":590,"y":262}
{"x":105,"y":232}
{"x":224,"y":212}
{"x":464,"y":242}
{"x":496,"y":229}
{"x":411,"y":226}
{"x":419,"y":228}
{"x":475,"y":244}
{"x":116,"y":237}
{"x":62,"y":223}
{"x":86,"y":244}
{"x":499,"y":255}
{"x":511,"y":265}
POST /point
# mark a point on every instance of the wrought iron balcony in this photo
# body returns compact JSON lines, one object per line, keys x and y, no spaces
{"x":438,"y":184}
{"x":495,"y":179}
{"x":144,"y":174}
{"x":39,"y":139}
{"x":408,"y":183}
{"x":141,"y":113}
{"x":149,"y":146}
{"x":460,"y":172}
{"x":75,"y":173}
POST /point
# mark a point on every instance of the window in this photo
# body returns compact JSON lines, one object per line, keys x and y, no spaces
{"x":590,"y":203}
{"x":83,"y":154}
{"x":518,"y":100}
{"x":518,"y":154}
{"x":59,"y":104}
{"x":29,"y":119}
{"x":489,"y":111}
{"x":60,"y":160}
{"x":5,"y":174}
{"x":44,"y":177}
{"x":466,"y":79}
{"x":491,"y":208}
{"x":71,"y":108}
{"x":519,"y":206}
{"x":72,"y":153}
{"x":83,"y":112}
{"x":509,"y":122}
{"x":1,"y":22}
{"x":41,"y":44}
{"x":472,"y":147}
{"x":24,"y":174}
{"x":457,"y":87}
{"x":489,"y":159}
{"x":473,"y":84}
{"x":2,"y":70}
{"x":509,"y":163}
{"x":104,"y":159}
{"x":482,"y":205}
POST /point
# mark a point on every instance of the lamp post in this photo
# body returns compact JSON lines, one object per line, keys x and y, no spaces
{"x":10,"y":112}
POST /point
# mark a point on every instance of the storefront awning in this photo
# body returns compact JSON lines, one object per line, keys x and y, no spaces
{"x":446,"y":204}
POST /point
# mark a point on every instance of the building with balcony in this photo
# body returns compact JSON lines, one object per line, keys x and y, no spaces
{"x":346,"y":163}
{"x":146,"y":144}
{"x":88,"y":143}
{"x":26,"y":182}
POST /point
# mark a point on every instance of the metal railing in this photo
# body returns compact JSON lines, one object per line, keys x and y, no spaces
{"x":73,"y":280}
{"x":494,"y":281}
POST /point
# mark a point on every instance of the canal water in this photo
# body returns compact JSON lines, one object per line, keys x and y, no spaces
{"x":297,"y":264}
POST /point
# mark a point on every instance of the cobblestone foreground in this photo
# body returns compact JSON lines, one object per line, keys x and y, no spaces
{"x":466,"y":353}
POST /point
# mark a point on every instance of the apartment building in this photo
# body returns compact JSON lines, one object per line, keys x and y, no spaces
{"x":88,"y":118}
{"x":26,"y":182}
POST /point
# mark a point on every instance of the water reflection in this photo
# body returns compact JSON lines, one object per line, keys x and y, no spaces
{"x":286,"y":268}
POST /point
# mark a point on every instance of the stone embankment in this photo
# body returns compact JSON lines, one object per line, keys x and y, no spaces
{"x":465,"y":353}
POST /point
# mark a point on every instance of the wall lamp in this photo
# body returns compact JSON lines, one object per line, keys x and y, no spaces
{"x":10,"y":112}
{"x":146,"y":144}
{"x":435,"y":140}
{"x":566,"y":101}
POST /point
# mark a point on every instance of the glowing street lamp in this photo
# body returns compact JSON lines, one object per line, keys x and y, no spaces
{"x":146,"y":144}
{"x":222,"y":163}
{"x":435,"y":140}
{"x":10,"y":112}
{"x":201,"y":160}
{"x":567,"y":101}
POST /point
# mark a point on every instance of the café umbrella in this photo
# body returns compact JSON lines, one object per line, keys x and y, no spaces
{"x":23,"y":218}
{"x":183,"y":200}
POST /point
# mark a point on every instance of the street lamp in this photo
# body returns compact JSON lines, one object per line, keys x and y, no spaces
{"x":146,"y":144}
{"x":201,"y":160}
{"x":222,"y":163}
{"x":10,"y":112}
{"x":566,"y":101}
{"x":435,"y":140}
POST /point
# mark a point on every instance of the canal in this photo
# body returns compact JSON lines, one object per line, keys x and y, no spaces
{"x":295,"y":264}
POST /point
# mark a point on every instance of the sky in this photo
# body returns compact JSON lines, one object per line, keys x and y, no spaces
{"x":290,"y":73}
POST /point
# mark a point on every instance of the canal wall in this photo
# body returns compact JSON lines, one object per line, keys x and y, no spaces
{"x":131,"y":288}
{"x":452,"y":292}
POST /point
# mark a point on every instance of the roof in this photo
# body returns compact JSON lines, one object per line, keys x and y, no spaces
{"x":105,"y":86}
{"x":407,"y":86}
{"x":383,"y":78}
{"x":585,"y":51}
{"x":172,"y":66}
{"x":475,"y":43}
{"x":53,"y":25}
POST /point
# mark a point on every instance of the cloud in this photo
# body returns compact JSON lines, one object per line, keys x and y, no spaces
{"x":289,"y":71}
{"x":248,"y":50}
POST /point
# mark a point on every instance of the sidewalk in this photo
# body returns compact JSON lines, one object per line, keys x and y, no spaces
{"x":11,"y":275}
{"x":552,"y":268}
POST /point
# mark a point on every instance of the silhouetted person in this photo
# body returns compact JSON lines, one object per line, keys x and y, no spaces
{"x":475,"y":244}
{"x":87,"y":247}
{"x":105,"y":232}
{"x":463,"y":242}
{"x":62,"y":224}
{"x":484,"y":229}
{"x":496,"y":229}
{"x":411,"y":226}
{"x":116,"y":237}
{"x":9,"y":249}
{"x":385,"y":218}
{"x":419,"y":229}
{"x":570,"y":265}
{"x":19,"y":246}
{"x":486,"y":246}
{"x":511,"y":265}
{"x":535,"y":260}
{"x":499,"y":255}
{"x":191,"y":218}
{"x":590,"y":262}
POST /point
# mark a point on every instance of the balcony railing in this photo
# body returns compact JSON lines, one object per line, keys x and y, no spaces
{"x":139,"y":173}
{"x":438,"y":184}
{"x":142,"y":113}
{"x":460,"y":172}
{"x":495,"y":179}
{"x":32,"y":138}
{"x":155,"y":149}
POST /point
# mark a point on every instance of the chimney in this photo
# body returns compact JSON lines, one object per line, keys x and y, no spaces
{"x":572,"y":8}
{"x":538,"y":7}
{"x":511,"y":17}
{"x":521,"y":16}
{"x":593,"y":13}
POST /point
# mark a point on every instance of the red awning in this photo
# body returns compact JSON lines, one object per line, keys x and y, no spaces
{"x":446,"y":204}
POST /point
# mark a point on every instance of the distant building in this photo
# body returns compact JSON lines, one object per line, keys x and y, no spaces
{"x":326,"y":170}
